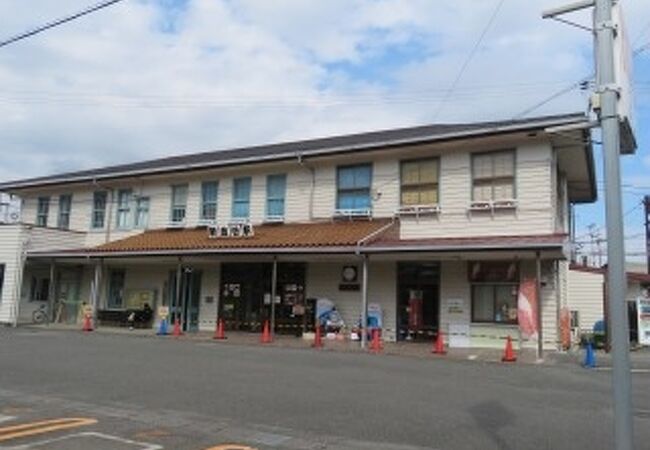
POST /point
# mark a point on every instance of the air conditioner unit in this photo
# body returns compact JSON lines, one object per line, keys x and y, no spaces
{"x":213,"y":231}
{"x":224,"y":231}
{"x":235,"y":230}
{"x":247,"y":230}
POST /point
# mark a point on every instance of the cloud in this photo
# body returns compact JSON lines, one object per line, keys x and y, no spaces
{"x":145,"y":79}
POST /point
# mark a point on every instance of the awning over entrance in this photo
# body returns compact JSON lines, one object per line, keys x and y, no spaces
{"x":335,"y":237}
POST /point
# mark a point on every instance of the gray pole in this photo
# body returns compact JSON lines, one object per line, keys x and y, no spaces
{"x":609,"y":121}
{"x":364,"y":301}
{"x":274,"y":288}
{"x":51,"y":292}
{"x":538,"y":294}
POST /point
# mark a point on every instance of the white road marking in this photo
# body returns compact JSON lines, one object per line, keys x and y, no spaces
{"x":108,"y":437}
{"x":607,"y":369}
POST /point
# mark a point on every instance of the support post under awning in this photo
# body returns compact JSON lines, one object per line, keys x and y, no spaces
{"x":538,"y":293}
{"x":364,"y":301}
{"x":274,"y":288}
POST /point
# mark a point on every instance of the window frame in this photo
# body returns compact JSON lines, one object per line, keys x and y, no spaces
{"x":174,"y":207}
{"x":110,"y":289}
{"x":209,"y":203}
{"x":492,"y":180}
{"x":124,"y":209}
{"x":340,"y":190}
{"x":270,"y":199}
{"x":63,"y":216}
{"x":137,"y":223}
{"x":420,"y":184}
{"x":495,"y":309}
{"x":236,"y":201}
{"x":96,"y":211}
{"x":38,"y":287}
{"x":42,"y":210}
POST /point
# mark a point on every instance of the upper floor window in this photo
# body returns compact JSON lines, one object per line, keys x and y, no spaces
{"x":419,"y":182}
{"x":276,"y":188}
{"x":179,"y":203}
{"x":209,"y":193}
{"x":65,"y":204}
{"x":353,"y":187}
{"x":241,"y":197}
{"x":42,"y":211}
{"x":99,"y":209}
{"x":493,"y":176}
{"x":124,"y":208}
{"x":2,"y":278}
{"x":141,"y":212}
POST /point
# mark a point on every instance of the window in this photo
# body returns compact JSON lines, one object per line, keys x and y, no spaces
{"x":65,"y":204}
{"x":116,"y":289}
{"x":419,"y":182}
{"x":353,"y":187}
{"x":241,"y":197}
{"x":99,"y":209}
{"x":209,"y":193}
{"x":494,"y":291}
{"x":141,"y":212}
{"x":2,"y":279}
{"x":39,"y":289}
{"x":42,"y":211}
{"x":179,"y":203}
{"x":276,"y":187}
{"x":124,"y":208}
{"x":493,"y":176}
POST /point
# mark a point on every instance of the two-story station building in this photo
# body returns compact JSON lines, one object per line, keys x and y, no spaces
{"x":434,"y":226}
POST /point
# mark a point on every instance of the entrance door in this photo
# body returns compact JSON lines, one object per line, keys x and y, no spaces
{"x":243,"y":289}
{"x":418,"y":300}
{"x":186,"y":308}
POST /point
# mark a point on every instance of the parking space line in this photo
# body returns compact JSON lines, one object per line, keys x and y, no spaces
{"x":108,"y":437}
{"x":41,"y":427}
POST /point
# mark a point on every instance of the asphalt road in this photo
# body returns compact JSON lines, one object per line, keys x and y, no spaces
{"x":161,"y":393}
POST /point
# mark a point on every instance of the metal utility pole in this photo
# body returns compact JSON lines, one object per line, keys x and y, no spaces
{"x":608,"y":90}
{"x":609,"y":123}
{"x":646,"y":202}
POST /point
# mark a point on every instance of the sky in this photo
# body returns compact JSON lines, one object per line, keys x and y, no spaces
{"x":152,"y":78}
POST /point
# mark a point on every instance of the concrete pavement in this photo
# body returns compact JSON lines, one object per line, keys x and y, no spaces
{"x":182,"y":394}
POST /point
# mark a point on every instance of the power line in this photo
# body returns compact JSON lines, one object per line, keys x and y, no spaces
{"x":57,"y":22}
{"x":469,"y":58}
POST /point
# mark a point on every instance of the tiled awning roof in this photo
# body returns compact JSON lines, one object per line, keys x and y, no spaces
{"x":332,"y":234}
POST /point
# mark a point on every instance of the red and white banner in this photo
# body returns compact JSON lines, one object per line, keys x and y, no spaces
{"x":527,"y":308}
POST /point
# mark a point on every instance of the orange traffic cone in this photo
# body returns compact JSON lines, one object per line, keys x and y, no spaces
{"x":177,"y":328}
{"x":266,"y":334}
{"x":439,"y":345}
{"x":375,"y":345}
{"x":219,"y":332}
{"x":509,"y":353}
{"x":318,"y":339}
{"x":87,"y":326}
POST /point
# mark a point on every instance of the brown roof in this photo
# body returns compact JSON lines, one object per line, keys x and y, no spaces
{"x":390,"y":241}
{"x":639,"y":277}
{"x":293,"y":235}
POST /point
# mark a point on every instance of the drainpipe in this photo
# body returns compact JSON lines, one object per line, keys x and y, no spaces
{"x":312,"y":188}
{"x":364,"y":301}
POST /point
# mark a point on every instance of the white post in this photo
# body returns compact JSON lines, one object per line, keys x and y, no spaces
{"x":364,"y":301}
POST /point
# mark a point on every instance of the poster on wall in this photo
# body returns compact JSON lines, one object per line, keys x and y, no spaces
{"x":527,"y":308}
{"x":643,"y":315}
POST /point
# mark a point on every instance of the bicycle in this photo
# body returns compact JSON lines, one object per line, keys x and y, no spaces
{"x":40,"y":315}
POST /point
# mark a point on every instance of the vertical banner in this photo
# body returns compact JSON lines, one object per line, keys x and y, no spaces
{"x":527,"y":308}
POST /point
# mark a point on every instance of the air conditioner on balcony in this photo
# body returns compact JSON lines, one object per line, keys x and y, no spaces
{"x":224,"y":231}
{"x":235,"y":230}
{"x":213,"y":231}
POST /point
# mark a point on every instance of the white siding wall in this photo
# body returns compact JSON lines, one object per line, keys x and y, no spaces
{"x":12,"y":239}
{"x":535,"y":186}
{"x":323,"y":282}
{"x":534,"y":214}
{"x":585,"y":295}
